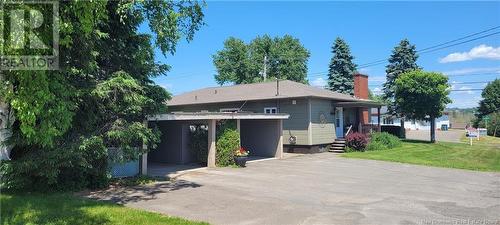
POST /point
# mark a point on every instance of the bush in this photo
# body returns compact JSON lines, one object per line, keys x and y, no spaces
{"x":227,"y":143}
{"x":374,"y":146}
{"x":384,"y":140}
{"x":56,"y":169}
{"x":356,"y":141}
{"x":198,"y":143}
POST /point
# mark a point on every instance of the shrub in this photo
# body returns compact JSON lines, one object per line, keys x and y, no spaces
{"x":356,"y":141}
{"x":56,"y":169}
{"x":384,"y":139}
{"x":373,"y":146}
{"x":198,"y":143}
{"x":227,"y":143}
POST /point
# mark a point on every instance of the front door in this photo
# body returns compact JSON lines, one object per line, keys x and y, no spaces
{"x":339,"y":122}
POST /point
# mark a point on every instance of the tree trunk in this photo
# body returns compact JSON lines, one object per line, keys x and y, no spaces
{"x":433,"y":130}
{"x":6,"y":121}
{"x":403,"y":130}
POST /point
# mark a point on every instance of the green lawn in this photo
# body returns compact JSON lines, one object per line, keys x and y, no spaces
{"x":59,"y":209}
{"x":483,"y":155}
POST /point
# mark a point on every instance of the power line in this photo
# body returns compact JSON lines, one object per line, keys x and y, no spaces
{"x":459,"y":43}
{"x":471,"y":82}
{"x":435,"y":47}
{"x":472,"y":74}
{"x":469,"y":89}
{"x":382,"y":61}
{"x":459,"y":39}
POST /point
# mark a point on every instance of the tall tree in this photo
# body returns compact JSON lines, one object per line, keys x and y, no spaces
{"x":67,"y":119}
{"x":403,"y":59}
{"x":491,"y":99}
{"x":422,"y":96}
{"x":341,"y":70}
{"x":263,"y":58}
{"x":233,"y":62}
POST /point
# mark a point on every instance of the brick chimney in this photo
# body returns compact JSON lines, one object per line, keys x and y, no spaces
{"x":361,"y":86}
{"x":361,"y":91}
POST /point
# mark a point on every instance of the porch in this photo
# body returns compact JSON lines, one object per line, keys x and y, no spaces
{"x":356,"y":117}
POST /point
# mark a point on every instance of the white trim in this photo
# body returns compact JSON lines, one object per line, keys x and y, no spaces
{"x":271,"y":109}
{"x":309,"y":127}
{"x":216,"y":116}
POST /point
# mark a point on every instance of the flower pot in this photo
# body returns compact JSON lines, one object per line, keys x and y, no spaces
{"x":240,"y":160}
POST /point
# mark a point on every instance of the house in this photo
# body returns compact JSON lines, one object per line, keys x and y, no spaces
{"x":310,"y":118}
{"x":387,"y":119}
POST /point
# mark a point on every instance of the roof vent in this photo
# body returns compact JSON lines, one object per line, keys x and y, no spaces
{"x":215,"y":91}
{"x":196,"y":97}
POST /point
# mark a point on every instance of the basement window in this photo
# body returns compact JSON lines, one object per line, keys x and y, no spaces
{"x":270,"y":110}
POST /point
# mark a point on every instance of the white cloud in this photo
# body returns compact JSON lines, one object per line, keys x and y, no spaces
{"x":364,"y":70}
{"x":466,"y":71}
{"x":479,"y":52}
{"x":464,"y":101}
{"x":473,"y":70}
{"x":167,"y":86}
{"x":377,"y":91}
{"x":319,"y":82}
{"x":466,"y":89}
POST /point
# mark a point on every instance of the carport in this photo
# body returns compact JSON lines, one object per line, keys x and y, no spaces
{"x":261,"y":133}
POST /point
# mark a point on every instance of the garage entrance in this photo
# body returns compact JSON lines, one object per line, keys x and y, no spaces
{"x":261,"y":134}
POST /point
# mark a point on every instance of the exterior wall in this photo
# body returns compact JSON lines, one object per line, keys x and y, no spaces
{"x":322,"y":122}
{"x":260,"y":137}
{"x":297,"y":125}
{"x":304,"y":123}
{"x":174,"y":145}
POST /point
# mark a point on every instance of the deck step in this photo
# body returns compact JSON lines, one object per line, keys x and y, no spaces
{"x":338,"y":144}
{"x":336,"y":151}
{"x":337,"y":147}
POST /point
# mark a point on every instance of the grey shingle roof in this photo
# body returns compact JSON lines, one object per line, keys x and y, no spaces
{"x":255,"y":91}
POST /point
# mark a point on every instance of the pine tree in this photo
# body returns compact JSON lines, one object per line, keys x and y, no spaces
{"x":341,"y":69}
{"x":403,"y":59}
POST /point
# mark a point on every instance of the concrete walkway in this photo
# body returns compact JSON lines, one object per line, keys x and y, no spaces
{"x":322,"y":189}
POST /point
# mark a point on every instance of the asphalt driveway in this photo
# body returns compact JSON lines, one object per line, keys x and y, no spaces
{"x":323,"y":189}
{"x":452,"y":135}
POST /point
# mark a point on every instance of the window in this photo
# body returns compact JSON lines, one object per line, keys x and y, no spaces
{"x":271,"y":110}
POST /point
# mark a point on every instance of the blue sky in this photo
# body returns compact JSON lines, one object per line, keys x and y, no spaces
{"x":372,"y":29}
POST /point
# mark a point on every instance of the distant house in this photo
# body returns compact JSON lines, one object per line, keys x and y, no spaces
{"x":387,"y":119}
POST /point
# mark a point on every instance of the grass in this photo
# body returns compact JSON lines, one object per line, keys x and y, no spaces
{"x":66,"y":209}
{"x":483,"y":155}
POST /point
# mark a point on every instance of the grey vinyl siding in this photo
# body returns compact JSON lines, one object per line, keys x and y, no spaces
{"x":298,"y":123}
{"x":322,"y":133}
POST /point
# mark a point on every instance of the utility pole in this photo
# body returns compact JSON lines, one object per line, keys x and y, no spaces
{"x":265,"y":67}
